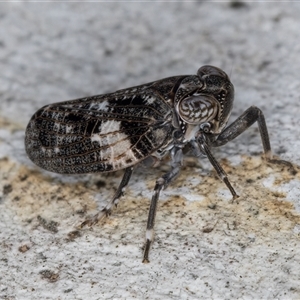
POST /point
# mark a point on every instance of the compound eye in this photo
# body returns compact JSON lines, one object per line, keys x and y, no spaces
{"x":210,"y":70}
{"x":198,"y":109}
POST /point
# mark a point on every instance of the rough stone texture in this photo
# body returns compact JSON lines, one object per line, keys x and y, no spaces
{"x":205,"y":246}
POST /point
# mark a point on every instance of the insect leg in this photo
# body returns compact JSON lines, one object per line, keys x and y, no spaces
{"x":204,"y":148}
{"x":106,"y":211}
{"x":161,"y":183}
{"x":251,"y":115}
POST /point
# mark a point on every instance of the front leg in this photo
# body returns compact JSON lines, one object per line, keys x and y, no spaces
{"x":250,"y":116}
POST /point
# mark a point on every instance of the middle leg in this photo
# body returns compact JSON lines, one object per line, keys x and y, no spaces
{"x":201,"y":148}
{"x":161,"y":183}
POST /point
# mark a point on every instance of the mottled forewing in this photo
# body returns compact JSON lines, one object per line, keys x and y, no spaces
{"x":101,"y":133}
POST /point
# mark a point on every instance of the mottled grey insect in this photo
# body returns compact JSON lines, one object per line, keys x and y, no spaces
{"x":116,"y":131}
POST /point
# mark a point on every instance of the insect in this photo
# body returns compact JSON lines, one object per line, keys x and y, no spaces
{"x":116,"y":131}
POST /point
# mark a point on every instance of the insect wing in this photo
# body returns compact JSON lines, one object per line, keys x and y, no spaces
{"x":100,"y":133}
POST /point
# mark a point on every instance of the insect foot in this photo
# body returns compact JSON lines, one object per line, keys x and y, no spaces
{"x":119,"y":130}
{"x":96,"y":218}
{"x":106,"y":211}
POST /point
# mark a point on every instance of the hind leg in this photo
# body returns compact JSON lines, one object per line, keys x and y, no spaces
{"x":106,"y":211}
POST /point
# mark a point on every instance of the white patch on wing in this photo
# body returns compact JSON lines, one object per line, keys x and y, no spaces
{"x":96,"y":138}
{"x":110,"y":126}
{"x":151,"y":100}
{"x":108,"y":139}
{"x":121,"y":147}
{"x":56,"y":126}
{"x":122,"y":162}
{"x":68,"y":128}
{"x":115,"y":146}
{"x":56,"y":150}
{"x":104,"y":106}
